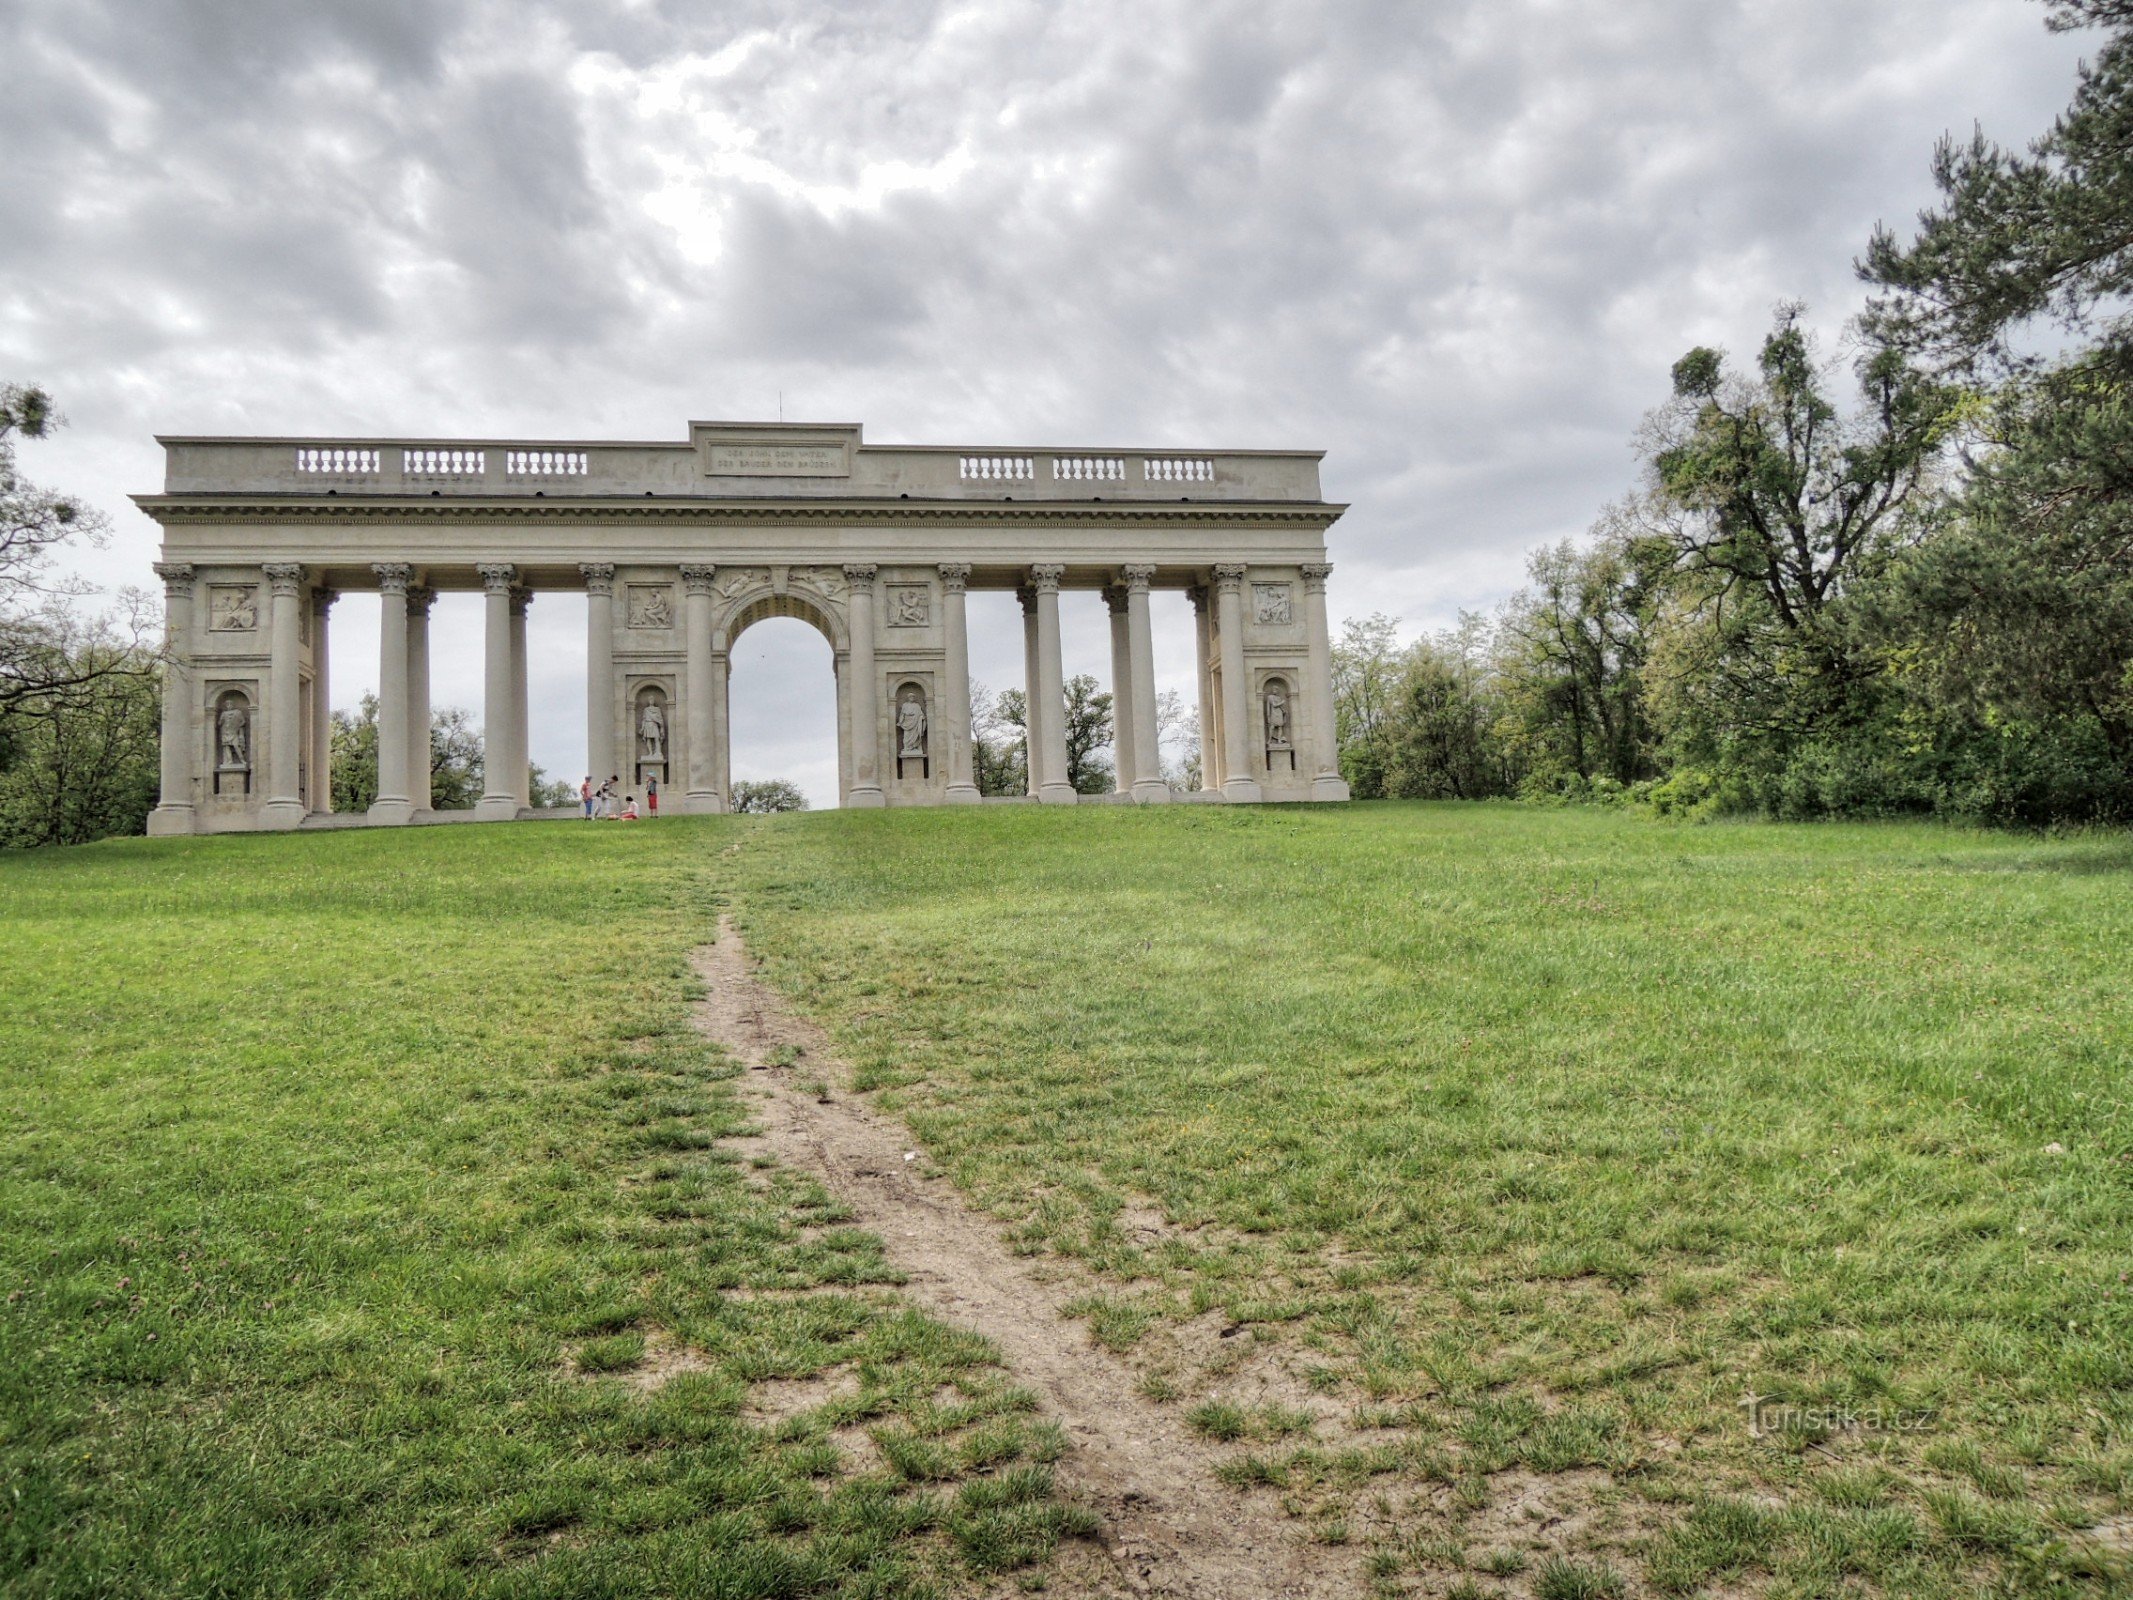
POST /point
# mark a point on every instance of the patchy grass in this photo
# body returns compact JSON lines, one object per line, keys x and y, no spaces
{"x":345,"y":1179}
{"x":1541,"y":1141}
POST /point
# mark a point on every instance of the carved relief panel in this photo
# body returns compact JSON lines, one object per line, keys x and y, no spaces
{"x":910,"y":605}
{"x":651,"y":605}
{"x":233,"y":608}
{"x":1271,"y":604}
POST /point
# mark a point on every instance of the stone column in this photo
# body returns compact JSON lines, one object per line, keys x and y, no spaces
{"x":1148,"y":784}
{"x":1123,"y":749}
{"x":521,"y":734}
{"x":955,"y":715}
{"x":321,"y":701}
{"x":499,"y":799}
{"x":697,"y":692}
{"x":1237,"y":780}
{"x":181,"y":748}
{"x":1203,"y":651}
{"x":1053,"y":789}
{"x":392,"y":804}
{"x":722,"y":728}
{"x":419,"y":601}
{"x":865,"y":692}
{"x":600,"y":668}
{"x":284,"y":806}
{"x":1326,"y":782}
{"x":1032,"y":706}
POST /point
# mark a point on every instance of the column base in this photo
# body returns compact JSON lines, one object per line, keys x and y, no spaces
{"x":866,"y":797}
{"x":1058,"y":794}
{"x":1242,"y":791}
{"x":496,"y":808}
{"x":282,"y":814}
{"x":702,"y":803}
{"x":170,"y":820}
{"x":962,"y":794}
{"x":385,"y":812}
{"x":1330,"y":789}
{"x":1151,"y":792}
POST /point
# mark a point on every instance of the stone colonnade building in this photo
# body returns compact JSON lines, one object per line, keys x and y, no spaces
{"x":681,"y":548}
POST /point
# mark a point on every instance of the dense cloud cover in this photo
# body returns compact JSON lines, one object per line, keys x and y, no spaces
{"x":1455,"y":244}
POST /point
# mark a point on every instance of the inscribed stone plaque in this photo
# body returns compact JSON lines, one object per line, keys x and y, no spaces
{"x":768,"y":460}
{"x":1270,"y":602}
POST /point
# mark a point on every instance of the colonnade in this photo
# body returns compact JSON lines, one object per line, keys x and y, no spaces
{"x":297,"y":769}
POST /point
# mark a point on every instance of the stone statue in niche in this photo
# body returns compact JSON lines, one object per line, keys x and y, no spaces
{"x":910,"y":728}
{"x":650,"y":608}
{"x":1277,"y":716}
{"x":1270,"y":603}
{"x":233,"y":737}
{"x":233,"y":610}
{"x":910,"y":607}
{"x":652,"y":732}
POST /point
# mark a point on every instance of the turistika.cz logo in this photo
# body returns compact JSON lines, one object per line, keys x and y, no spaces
{"x":1768,"y":1416}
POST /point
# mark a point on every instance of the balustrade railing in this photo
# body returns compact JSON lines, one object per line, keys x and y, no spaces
{"x":1102,"y":469}
{"x":1176,"y":469}
{"x":546,"y":463}
{"x":444,"y":463}
{"x":997,"y":469}
{"x":337,"y":462}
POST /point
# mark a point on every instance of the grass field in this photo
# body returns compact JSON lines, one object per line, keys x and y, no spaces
{"x":1462,"y":1169}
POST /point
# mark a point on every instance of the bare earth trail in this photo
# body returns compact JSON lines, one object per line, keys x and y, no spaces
{"x":1172,"y":1529}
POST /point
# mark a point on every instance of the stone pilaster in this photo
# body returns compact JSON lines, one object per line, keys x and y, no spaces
{"x":865,"y":692}
{"x":174,"y":812}
{"x":1148,"y":786}
{"x":284,"y":806}
{"x":392,"y":803}
{"x":600,"y":694}
{"x":955,"y":628}
{"x":700,"y":690}
{"x":1326,"y":782}
{"x":1053,"y":787}
{"x":499,"y":798}
{"x":1237,"y":780}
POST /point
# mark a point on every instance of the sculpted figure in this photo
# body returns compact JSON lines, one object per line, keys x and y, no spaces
{"x":235,"y":611}
{"x":1277,"y":719}
{"x":233,"y":737}
{"x":911,"y":728}
{"x":653,"y":610}
{"x":652,"y":732}
{"x":911,"y":610}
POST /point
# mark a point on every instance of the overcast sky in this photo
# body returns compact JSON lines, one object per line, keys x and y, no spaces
{"x":1454,"y":243}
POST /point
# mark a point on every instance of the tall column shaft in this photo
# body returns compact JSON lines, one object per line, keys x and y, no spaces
{"x":1148,"y":784}
{"x":955,"y":714}
{"x":698,"y":691}
{"x":174,"y":812}
{"x":1123,"y":750}
{"x":722,"y":727}
{"x":599,"y":668}
{"x":1237,"y":780}
{"x":284,"y":806}
{"x":865,"y":692}
{"x":419,"y":601}
{"x":521,"y":734}
{"x":1054,"y":788}
{"x":1203,"y":650}
{"x":1032,"y":701}
{"x":499,"y":798}
{"x":392,"y":803}
{"x":322,"y":699}
{"x":1326,"y":782}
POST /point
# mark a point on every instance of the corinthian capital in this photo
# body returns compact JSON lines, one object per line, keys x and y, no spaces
{"x":392,"y":576}
{"x":599,"y":576}
{"x":1045,"y":576}
{"x":498,"y":577}
{"x":177,"y":576}
{"x":860,"y":574}
{"x":1137,"y":577}
{"x":1228,"y":575}
{"x":696,"y":576}
{"x":1315,"y":574}
{"x":955,"y":576}
{"x":287,"y":577}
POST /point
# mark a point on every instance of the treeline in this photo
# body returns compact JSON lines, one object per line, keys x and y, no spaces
{"x":1900,"y":583}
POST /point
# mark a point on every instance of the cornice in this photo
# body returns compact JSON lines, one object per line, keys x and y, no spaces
{"x":188,"y":510}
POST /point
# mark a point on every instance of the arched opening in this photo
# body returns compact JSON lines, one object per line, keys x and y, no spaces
{"x":783,"y":699}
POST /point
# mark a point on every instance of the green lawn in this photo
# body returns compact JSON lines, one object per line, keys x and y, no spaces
{"x":353,"y":1183}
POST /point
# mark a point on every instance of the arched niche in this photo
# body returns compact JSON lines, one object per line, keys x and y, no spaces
{"x":1277,"y":721}
{"x":651,"y":734}
{"x":233,"y":729}
{"x":911,"y":732}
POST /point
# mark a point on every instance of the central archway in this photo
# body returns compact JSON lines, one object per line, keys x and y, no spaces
{"x":781,"y":719}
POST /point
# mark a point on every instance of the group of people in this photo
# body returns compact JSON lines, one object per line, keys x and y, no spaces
{"x":600,"y":802}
